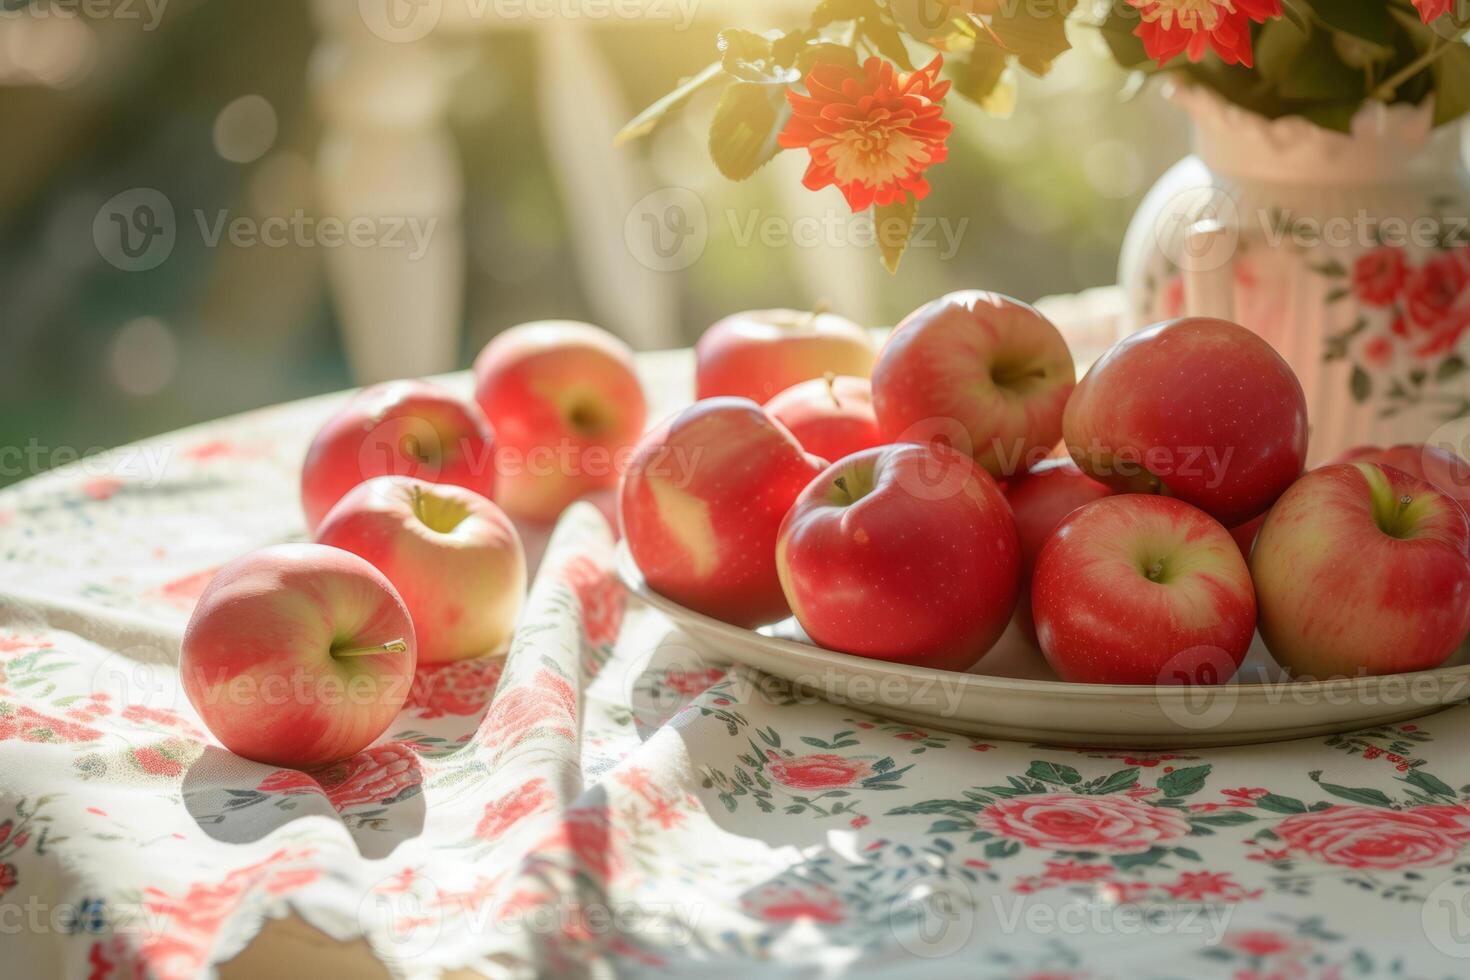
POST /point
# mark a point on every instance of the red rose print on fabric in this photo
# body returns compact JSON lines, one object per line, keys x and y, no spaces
{"x":587,"y":835}
{"x":601,"y":597}
{"x":547,"y":702}
{"x":372,"y":777}
{"x":784,"y":902}
{"x":463,"y":687}
{"x":28,"y":725}
{"x":184,"y":592}
{"x":1106,"y":824}
{"x":183,"y":928}
{"x":503,"y":814}
{"x":820,"y":770}
{"x":1378,"y":275}
{"x":1375,"y":837}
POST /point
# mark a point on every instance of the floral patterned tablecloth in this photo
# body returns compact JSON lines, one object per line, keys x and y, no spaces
{"x":605,"y":800}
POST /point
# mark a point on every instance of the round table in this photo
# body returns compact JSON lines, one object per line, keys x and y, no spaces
{"x":607,"y":799}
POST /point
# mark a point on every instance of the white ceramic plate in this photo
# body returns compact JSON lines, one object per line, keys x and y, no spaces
{"x":1012,"y":694}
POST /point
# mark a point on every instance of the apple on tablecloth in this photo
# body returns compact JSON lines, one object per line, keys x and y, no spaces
{"x":402,"y":428}
{"x":701,"y":503}
{"x":298,"y":655}
{"x":1199,"y":409}
{"x":983,"y":372}
{"x":1139,"y":589}
{"x":454,"y":557}
{"x":1361,"y":568}
{"x":831,"y":417}
{"x":567,"y":408}
{"x":760,"y":353}
{"x":905,"y":553}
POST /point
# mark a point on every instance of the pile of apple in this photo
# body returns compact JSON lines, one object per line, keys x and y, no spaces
{"x":302,"y":654}
{"x":903,"y":505}
{"x":1141,"y":524}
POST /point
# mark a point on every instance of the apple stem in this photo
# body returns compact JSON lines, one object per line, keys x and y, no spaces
{"x":1155,"y":570}
{"x":841,"y":483}
{"x":392,"y":646}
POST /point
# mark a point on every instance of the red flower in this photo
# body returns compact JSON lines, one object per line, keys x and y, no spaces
{"x":547,"y":702}
{"x":779,"y":902}
{"x":1432,"y":10}
{"x":1262,"y":943}
{"x":1076,"y":871}
{"x":1108,"y":824}
{"x":601,"y":597}
{"x":821,"y":770}
{"x":1170,"y":28}
{"x":502,"y":814}
{"x":1430,"y":291}
{"x":692,"y":681}
{"x":871,"y":132}
{"x":156,"y":763}
{"x":1378,"y":351}
{"x":1378,"y":275}
{"x":1199,"y":886}
{"x":462,"y":687}
{"x":1373,"y":837}
{"x":587,"y":835}
{"x":29,"y":725}
{"x":8,"y":877}
{"x":375,"y":775}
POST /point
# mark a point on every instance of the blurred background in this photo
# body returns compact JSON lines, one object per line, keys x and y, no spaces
{"x":164,"y":253}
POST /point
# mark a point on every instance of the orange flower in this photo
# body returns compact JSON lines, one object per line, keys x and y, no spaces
{"x":871,"y":132}
{"x":1173,"y":27}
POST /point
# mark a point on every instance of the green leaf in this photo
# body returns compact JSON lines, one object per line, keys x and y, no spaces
{"x":1153,"y":855}
{"x":892,"y":225}
{"x":825,"y":52}
{"x":1227,"y":819}
{"x":1116,"y":782}
{"x":1319,"y":73}
{"x":1051,"y":772}
{"x":1450,"y":367}
{"x":1429,"y":784}
{"x":1184,"y":782}
{"x":1117,"y":32}
{"x":1281,"y":804}
{"x":1034,"y":33}
{"x":977,"y":76}
{"x":748,"y":57}
{"x":886,"y":37}
{"x":1364,"y":795}
{"x":1361,"y":384}
{"x":1001,"y":848}
{"x":1277,"y":49}
{"x":647,"y":120}
{"x":1452,"y":84}
{"x":1367,"y":20}
{"x":742,"y":135}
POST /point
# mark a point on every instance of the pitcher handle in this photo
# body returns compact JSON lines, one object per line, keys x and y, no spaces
{"x":1209,"y":270}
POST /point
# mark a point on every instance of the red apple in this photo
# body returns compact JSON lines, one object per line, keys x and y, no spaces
{"x":831,"y":417}
{"x":1199,"y":409}
{"x":1362,"y":569}
{"x":567,"y":409}
{"x":453,"y":556}
{"x":1138,"y":589}
{"x":403,"y":428}
{"x":298,"y":655}
{"x":760,"y":353}
{"x":1432,"y":464}
{"x":1245,"y":535}
{"x":1040,"y":499}
{"x":879,"y":559}
{"x":984,"y":372}
{"x":702,"y":501}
